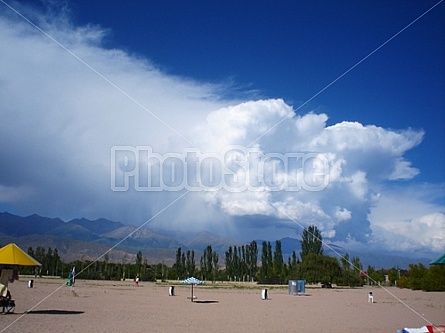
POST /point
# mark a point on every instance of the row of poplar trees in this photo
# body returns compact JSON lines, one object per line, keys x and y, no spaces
{"x":242,"y":263}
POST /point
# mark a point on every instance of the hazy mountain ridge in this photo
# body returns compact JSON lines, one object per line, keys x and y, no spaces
{"x":83,"y":239}
{"x":99,"y":226}
{"x":219,"y":244}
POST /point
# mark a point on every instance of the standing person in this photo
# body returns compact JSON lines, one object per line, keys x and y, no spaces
{"x":136,"y":281}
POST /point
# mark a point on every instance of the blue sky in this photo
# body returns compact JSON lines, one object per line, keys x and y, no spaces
{"x":177,"y":75}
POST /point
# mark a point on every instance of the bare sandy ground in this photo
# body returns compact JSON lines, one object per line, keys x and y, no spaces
{"x":98,"y":306}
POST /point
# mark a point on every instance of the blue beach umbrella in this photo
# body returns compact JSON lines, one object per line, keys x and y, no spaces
{"x":192,"y":280}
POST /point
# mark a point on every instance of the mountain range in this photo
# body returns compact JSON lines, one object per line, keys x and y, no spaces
{"x":83,"y":239}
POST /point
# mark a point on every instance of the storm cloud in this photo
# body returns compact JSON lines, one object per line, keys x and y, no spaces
{"x":67,"y":101}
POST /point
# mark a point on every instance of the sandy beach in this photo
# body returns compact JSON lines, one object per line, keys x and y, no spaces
{"x":119,"y":306}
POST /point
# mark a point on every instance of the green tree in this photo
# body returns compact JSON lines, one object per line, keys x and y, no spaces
{"x":434,"y":279}
{"x":236,"y":264}
{"x":374,"y":277}
{"x":183,"y":265}
{"x":179,"y":268}
{"x":252,"y":260}
{"x":49,"y":262}
{"x":269,"y":258}
{"x":293,"y":262}
{"x":243,"y":262}
{"x":190,"y":263}
{"x":350,"y":276}
{"x":416,"y":274}
{"x":345,"y":263}
{"x":207,"y":263}
{"x":393,"y":275}
{"x":40,"y":257}
{"x":229,"y":263}
{"x":320,"y":268}
{"x":215,"y":266}
{"x":107,"y":275}
{"x":264,"y":269}
{"x":138,"y":263}
{"x":57,"y":262}
{"x":311,"y":242}
{"x":31,"y":270}
{"x":278,"y":263}
{"x":356,"y":264}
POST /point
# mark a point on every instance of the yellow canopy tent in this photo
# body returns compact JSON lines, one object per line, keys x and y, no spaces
{"x":11,"y":254}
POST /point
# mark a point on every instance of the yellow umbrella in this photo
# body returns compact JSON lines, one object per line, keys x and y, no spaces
{"x":11,"y":254}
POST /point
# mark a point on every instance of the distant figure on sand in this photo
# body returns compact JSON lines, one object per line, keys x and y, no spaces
{"x":370,"y":297}
{"x":136,"y":281}
{"x":71,"y":278}
{"x":4,"y":292}
{"x":6,"y":303}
